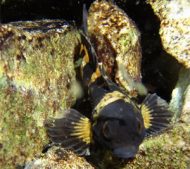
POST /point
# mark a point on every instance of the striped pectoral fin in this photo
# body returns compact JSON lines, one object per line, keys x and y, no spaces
{"x":156,"y":114}
{"x":72,"y":131}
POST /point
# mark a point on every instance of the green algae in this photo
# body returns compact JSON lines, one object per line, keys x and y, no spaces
{"x":36,"y":77}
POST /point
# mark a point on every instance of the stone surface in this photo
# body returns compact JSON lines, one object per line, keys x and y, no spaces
{"x":58,"y":158}
{"x":180,"y":101}
{"x":174,"y":27}
{"x":116,"y":40}
{"x":36,"y":82}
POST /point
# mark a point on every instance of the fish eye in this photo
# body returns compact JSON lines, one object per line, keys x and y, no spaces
{"x":106,"y":131}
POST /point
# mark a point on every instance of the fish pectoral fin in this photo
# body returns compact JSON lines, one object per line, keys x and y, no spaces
{"x":72,"y":131}
{"x":156,"y":114}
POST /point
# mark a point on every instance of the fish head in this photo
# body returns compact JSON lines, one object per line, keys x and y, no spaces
{"x":120,"y":128}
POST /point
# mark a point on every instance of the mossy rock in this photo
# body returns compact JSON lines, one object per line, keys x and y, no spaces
{"x":58,"y":158}
{"x":36,"y":82}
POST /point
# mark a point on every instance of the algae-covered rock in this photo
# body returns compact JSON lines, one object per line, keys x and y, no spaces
{"x":174,"y":27}
{"x":116,"y":40}
{"x":36,"y":82}
{"x":58,"y":158}
{"x":174,"y":33}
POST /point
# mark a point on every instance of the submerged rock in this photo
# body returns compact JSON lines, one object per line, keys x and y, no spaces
{"x":36,"y":82}
{"x":116,"y":40}
{"x":175,"y":32}
{"x":174,"y":27}
{"x":180,"y":102}
{"x":58,"y":158}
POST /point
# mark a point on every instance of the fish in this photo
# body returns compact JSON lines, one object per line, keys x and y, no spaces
{"x":117,"y":122}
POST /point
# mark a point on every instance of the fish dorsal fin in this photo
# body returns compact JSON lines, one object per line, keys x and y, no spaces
{"x":84,"y":19}
{"x":72,"y":131}
{"x":156,"y":114}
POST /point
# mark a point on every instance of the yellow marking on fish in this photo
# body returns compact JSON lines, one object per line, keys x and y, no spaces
{"x":146,"y":114}
{"x":107,"y":99}
{"x":85,"y":58}
{"x":82,"y":130}
{"x":86,"y":55}
{"x":95,"y":75}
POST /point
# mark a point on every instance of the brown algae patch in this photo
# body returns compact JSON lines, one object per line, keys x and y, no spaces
{"x":58,"y":158}
{"x":36,"y":78}
{"x":116,"y":40}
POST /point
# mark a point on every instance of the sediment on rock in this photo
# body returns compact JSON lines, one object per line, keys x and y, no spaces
{"x":36,"y":82}
{"x":174,"y":27}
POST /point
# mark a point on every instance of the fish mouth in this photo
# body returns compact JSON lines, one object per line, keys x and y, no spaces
{"x":125,"y":152}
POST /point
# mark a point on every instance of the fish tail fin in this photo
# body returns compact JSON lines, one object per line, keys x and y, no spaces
{"x":72,"y":131}
{"x":156,"y":114}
